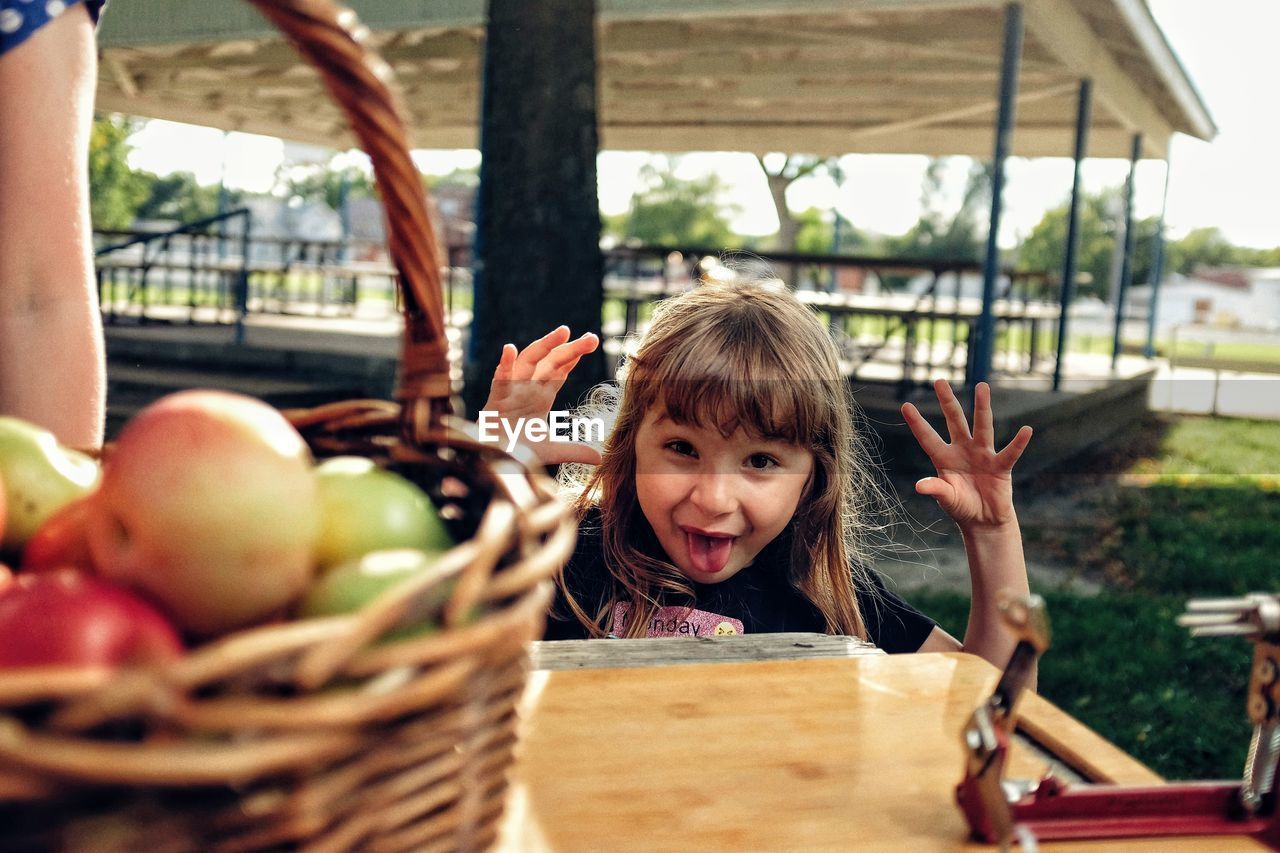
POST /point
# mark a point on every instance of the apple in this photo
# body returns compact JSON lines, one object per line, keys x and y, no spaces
{"x":39,"y":477}
{"x":6,"y":577}
{"x":209,"y":506}
{"x":61,"y":541}
{"x":65,"y":618}
{"x":351,"y":585}
{"x":365,"y":508}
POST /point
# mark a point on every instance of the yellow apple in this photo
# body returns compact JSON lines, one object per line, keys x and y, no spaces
{"x":39,"y":477}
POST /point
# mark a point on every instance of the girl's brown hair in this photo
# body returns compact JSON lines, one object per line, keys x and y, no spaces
{"x":730,"y":356}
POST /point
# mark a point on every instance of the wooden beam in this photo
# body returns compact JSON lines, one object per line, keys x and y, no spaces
{"x":153,"y":22}
{"x":1064,"y":32}
{"x":948,"y":116}
{"x":970,"y":140}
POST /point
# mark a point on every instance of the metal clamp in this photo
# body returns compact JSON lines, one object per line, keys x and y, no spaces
{"x":982,"y":793}
{"x":1255,"y":617}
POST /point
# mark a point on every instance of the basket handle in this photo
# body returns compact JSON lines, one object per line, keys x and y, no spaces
{"x":332,"y":39}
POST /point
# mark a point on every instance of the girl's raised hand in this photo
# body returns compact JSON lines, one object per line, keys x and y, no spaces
{"x":526,"y":382}
{"x":974,"y":484}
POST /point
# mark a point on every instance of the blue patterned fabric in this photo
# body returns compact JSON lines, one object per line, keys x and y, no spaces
{"x":19,"y":19}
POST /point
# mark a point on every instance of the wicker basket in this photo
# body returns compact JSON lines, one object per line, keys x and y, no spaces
{"x":311,"y":734}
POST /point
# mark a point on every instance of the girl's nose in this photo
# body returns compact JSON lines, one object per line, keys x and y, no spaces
{"x":714,"y":494}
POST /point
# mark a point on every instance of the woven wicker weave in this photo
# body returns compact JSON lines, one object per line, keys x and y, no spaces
{"x":312,"y":734}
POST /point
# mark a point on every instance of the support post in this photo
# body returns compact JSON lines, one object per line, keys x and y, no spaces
{"x":537,"y":248}
{"x":1157,"y":264}
{"x":1084,"y":110}
{"x":1126,"y":264}
{"x":983,"y":338}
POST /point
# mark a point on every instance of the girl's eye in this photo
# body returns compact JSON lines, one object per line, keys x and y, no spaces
{"x":762,"y":461}
{"x":680,"y":446}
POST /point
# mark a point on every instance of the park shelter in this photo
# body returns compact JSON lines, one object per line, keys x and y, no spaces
{"x":937,"y":77}
{"x":806,"y":76}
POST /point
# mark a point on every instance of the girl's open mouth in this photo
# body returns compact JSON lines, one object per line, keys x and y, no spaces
{"x":709,"y":552}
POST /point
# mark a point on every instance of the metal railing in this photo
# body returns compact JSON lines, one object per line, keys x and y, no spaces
{"x":216,"y":271}
{"x":876,"y":322}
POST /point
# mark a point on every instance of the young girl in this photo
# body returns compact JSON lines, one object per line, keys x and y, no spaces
{"x":731,"y":494}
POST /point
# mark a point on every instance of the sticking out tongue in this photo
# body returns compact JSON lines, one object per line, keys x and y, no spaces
{"x":709,"y":554}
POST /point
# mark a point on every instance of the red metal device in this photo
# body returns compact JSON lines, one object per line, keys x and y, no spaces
{"x":1000,"y":810}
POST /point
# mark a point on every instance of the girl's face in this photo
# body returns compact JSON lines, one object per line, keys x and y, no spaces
{"x":715,"y":502}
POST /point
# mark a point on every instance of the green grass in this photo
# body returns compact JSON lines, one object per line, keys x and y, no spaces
{"x":1194,"y":512}
{"x":1224,"y":351}
{"x":1226,"y":447}
{"x":1121,"y":666}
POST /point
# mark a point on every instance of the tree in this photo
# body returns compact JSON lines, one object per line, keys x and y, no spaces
{"x":939,"y":235}
{"x":1202,"y":247}
{"x":115,"y":190}
{"x":179,"y":197}
{"x":671,"y":211}
{"x":781,"y":171}
{"x":324,"y":184}
{"x":816,"y":234}
{"x":1101,"y":221}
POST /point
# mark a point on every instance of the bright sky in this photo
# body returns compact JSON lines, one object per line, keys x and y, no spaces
{"x":1232,"y":183}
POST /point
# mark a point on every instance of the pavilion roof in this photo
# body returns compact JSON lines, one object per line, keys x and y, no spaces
{"x":802,"y":76}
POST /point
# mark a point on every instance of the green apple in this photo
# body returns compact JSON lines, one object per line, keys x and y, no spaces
{"x":351,"y":585}
{"x":364,"y":508}
{"x":39,"y":477}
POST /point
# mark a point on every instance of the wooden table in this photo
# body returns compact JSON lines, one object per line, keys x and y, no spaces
{"x":842,"y":753}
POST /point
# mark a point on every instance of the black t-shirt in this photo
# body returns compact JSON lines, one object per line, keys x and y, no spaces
{"x":759,"y":596}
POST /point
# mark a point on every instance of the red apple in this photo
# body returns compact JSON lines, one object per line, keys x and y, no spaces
{"x":209,"y":506}
{"x":64,"y":618}
{"x":61,"y":542}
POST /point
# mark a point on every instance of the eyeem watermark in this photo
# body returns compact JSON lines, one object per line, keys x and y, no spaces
{"x":557,"y":426}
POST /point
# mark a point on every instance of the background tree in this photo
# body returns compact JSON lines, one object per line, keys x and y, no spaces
{"x":816,"y":234}
{"x":324,"y":184}
{"x":943,"y":234}
{"x":1203,"y":247}
{"x":1101,"y":220}
{"x":115,"y":190}
{"x":179,"y":197}
{"x":781,"y":171}
{"x":671,"y":211}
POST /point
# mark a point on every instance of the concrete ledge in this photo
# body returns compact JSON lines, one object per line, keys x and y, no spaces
{"x":1078,"y":418}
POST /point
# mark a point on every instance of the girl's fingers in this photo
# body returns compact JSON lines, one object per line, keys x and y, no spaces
{"x":528,"y":360}
{"x":937,"y":488}
{"x":505,"y":363}
{"x":927,"y":437}
{"x":1012,"y":452}
{"x":561,"y":361}
{"x":957,"y":426}
{"x":984,"y":430}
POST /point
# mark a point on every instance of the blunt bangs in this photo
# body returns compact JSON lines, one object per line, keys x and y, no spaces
{"x":740,"y":388}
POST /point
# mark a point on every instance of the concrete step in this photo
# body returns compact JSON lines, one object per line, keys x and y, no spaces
{"x":374,"y":372}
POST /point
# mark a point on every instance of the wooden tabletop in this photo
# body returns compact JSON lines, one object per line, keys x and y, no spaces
{"x":846,"y":753}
